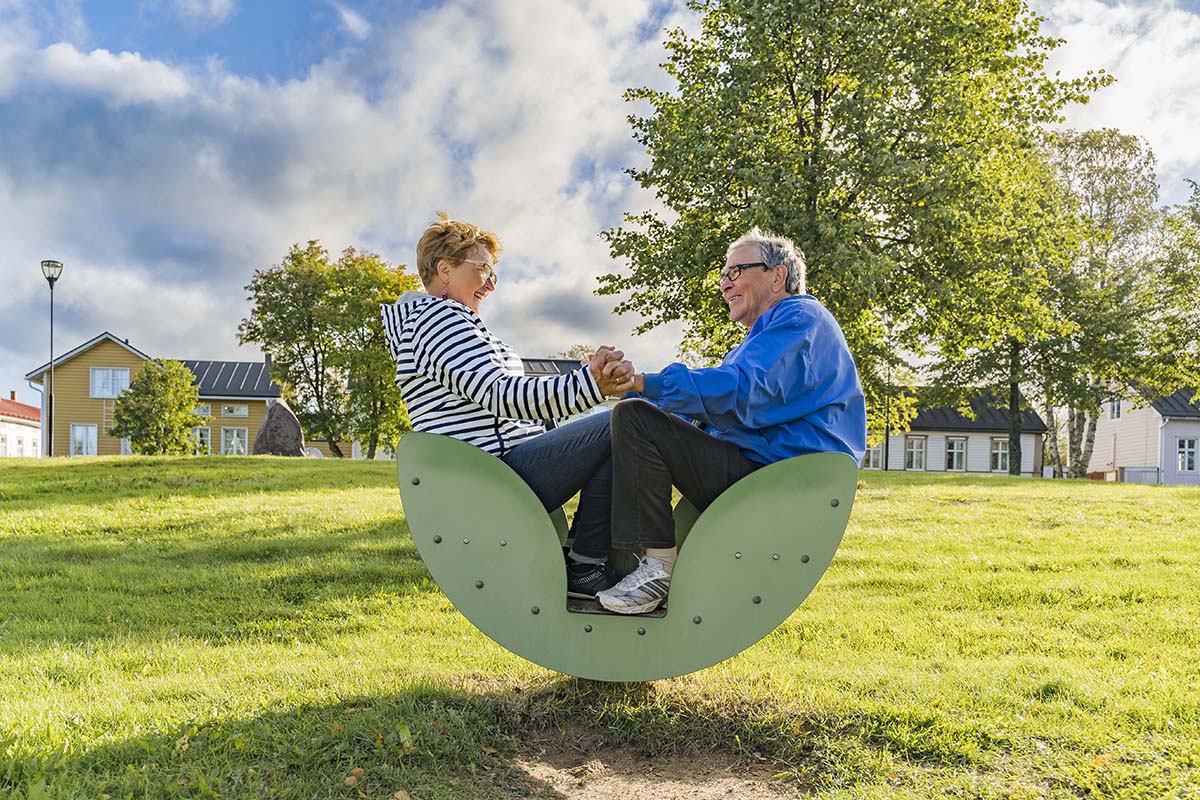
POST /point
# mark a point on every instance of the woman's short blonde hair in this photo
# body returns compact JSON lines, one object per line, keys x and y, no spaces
{"x":452,"y":239}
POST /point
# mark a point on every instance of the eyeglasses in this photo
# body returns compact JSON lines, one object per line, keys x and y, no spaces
{"x":733,"y":272}
{"x":487,"y":270}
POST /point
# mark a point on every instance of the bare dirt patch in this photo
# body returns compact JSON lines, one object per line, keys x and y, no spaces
{"x":583,"y":767}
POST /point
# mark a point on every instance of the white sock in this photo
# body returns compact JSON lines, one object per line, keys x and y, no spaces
{"x":664,"y":556}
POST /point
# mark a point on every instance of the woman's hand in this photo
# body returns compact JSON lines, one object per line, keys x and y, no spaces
{"x":613,"y":374}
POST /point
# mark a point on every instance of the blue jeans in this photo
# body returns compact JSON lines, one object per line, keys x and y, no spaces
{"x":576,"y":457}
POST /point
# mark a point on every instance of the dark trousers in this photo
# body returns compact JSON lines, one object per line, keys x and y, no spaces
{"x":575,"y":457}
{"x":653,"y":450}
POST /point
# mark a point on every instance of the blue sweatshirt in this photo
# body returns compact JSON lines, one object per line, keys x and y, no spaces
{"x":789,"y":388}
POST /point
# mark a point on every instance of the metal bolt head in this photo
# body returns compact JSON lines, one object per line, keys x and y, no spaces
{"x":587,"y":628}
{"x":738,"y":554}
{"x":775,"y":556}
{"x":835,"y":502}
{"x":504,"y":542}
{"x":478,"y":584}
{"x":535,"y":610}
{"x":416,"y":481}
{"x":804,"y":559}
{"x":641,"y":631}
{"x":696,"y":619}
{"x":437,"y":540}
{"x":756,"y":599}
{"x":466,"y":541}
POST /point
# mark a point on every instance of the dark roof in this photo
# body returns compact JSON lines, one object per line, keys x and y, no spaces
{"x":1178,"y":405}
{"x":542,"y":367}
{"x":233,"y":379}
{"x":991,"y":416}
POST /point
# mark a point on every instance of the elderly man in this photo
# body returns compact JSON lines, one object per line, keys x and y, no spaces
{"x":790,"y":387}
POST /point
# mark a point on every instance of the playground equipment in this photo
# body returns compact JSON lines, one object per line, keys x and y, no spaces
{"x":744,"y":565}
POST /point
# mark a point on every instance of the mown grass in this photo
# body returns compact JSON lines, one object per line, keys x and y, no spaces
{"x":264,"y":627}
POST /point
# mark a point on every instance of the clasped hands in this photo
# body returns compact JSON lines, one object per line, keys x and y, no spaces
{"x":612,"y":372}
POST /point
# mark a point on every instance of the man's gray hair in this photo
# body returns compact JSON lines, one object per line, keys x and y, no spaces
{"x":775,"y":250}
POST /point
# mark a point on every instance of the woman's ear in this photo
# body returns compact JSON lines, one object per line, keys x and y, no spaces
{"x":443,"y":268}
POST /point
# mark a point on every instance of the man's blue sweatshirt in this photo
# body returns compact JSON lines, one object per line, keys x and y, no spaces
{"x":789,"y":388}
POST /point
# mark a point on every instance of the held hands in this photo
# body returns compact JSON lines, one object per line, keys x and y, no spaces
{"x":612,"y":372}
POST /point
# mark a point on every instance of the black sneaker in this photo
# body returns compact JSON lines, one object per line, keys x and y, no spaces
{"x":584,"y":580}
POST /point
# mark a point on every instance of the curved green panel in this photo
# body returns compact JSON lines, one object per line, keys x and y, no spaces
{"x":494,"y":552}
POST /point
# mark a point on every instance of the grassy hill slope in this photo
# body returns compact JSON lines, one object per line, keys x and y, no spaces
{"x":264,"y":627}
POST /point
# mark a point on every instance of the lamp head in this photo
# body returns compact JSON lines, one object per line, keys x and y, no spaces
{"x":51,"y":270}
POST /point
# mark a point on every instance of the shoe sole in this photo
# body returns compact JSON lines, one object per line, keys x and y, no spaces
{"x":644,"y":608}
{"x":581,"y":596}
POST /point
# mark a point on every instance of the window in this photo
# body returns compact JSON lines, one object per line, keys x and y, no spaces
{"x":83,"y":440}
{"x":202,"y":439}
{"x":1185,"y":453}
{"x":109,"y":381}
{"x":233,"y":441}
{"x":914,"y":452}
{"x":1114,"y":408}
{"x":235,"y":410}
{"x":874,"y":458}
{"x":204,"y":409}
{"x":20,"y":447}
{"x":956,"y":454}
{"x":3,"y":446}
{"x":126,"y":450}
{"x":999,"y":455}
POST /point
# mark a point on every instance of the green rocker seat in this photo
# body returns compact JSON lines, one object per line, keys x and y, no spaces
{"x":747,"y":563}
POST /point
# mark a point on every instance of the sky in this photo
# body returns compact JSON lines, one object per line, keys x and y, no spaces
{"x":165,"y":149}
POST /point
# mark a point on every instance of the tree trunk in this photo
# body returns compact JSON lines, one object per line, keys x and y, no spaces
{"x":333,"y":448}
{"x":1055,"y":452}
{"x":1088,"y":442}
{"x":1014,"y":408}
{"x":1075,"y":443}
{"x":371,"y":444}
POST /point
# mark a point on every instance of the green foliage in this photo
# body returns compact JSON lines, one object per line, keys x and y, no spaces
{"x":877,"y":136}
{"x":200,"y":627}
{"x":158,"y":411}
{"x":319,"y":319}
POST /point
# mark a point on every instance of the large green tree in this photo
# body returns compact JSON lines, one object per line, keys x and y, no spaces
{"x":871,"y":134}
{"x":319,"y":319}
{"x":157,"y":413}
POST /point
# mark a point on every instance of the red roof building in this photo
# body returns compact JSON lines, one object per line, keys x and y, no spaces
{"x":20,"y":428}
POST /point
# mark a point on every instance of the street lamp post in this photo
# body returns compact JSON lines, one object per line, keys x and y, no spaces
{"x":51,"y":270}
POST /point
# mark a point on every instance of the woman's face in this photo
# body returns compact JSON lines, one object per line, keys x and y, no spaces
{"x":468,"y":281}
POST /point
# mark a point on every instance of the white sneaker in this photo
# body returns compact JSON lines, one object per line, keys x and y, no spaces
{"x":640,"y":591}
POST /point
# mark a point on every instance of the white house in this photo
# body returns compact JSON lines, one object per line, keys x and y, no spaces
{"x":1157,"y":443}
{"x":942,"y":439}
{"x":20,"y":429}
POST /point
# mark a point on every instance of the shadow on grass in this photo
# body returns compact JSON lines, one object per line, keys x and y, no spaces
{"x":466,"y":738}
{"x":45,"y":483}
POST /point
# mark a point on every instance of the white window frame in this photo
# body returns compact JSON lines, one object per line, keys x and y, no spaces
{"x":227,"y":412}
{"x":112,"y":390}
{"x":1185,"y":452}
{"x":951,"y":451}
{"x":873,"y":459}
{"x":126,"y":447}
{"x":245,"y":441}
{"x":92,"y":441}
{"x":1114,"y":408}
{"x":911,"y":452}
{"x":196,"y":439}
{"x":204,"y":410}
{"x":998,"y":455}
{"x":3,"y":445}
{"x":20,"y":447}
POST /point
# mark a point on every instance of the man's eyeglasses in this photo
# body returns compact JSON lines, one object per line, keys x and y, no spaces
{"x":488,"y":271}
{"x":733,"y":272}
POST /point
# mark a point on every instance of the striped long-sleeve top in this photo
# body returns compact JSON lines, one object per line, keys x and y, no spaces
{"x":459,"y":379}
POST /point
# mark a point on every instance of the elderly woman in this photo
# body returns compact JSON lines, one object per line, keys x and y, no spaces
{"x":459,"y":379}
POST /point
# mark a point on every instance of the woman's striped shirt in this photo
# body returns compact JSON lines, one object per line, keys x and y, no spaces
{"x":458,"y":379}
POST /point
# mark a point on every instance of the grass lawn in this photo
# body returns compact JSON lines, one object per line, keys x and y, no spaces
{"x":255,"y":627}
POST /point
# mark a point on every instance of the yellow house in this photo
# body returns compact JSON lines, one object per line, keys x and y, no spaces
{"x":87,"y":381}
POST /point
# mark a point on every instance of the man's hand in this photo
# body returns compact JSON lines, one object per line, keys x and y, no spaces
{"x":613,"y":374}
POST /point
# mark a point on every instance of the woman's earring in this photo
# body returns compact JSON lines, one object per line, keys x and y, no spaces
{"x":444,"y":293}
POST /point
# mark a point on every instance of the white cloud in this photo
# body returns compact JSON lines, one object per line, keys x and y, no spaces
{"x":203,"y":11}
{"x":353,"y":22}
{"x":122,"y":78}
{"x":1153,"y":50}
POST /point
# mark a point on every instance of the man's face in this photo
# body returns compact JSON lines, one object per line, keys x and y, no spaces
{"x":756,"y":288}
